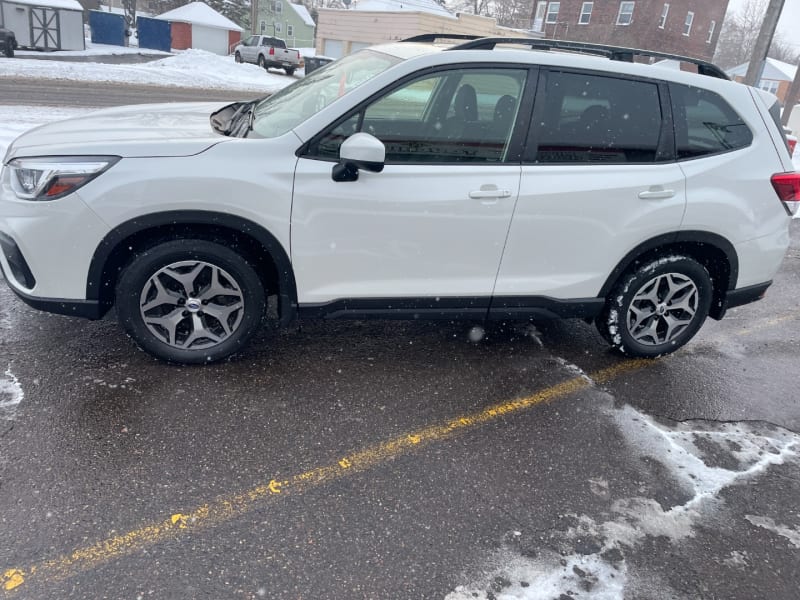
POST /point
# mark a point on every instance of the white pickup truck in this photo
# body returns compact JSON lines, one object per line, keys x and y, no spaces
{"x":266,"y":52}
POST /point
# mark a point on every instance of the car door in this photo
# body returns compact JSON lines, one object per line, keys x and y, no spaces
{"x":598,"y":179}
{"x":432,"y":224}
{"x":249,"y":49}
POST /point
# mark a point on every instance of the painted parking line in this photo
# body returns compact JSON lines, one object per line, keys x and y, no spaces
{"x":230,"y":507}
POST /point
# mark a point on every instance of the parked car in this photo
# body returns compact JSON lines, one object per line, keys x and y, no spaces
{"x":268,"y":52}
{"x":8,"y":42}
{"x":407,"y":181}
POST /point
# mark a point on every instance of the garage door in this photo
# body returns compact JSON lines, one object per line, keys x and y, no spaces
{"x":334,"y":48}
{"x":210,"y":39}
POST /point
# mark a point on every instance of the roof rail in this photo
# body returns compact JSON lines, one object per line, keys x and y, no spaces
{"x":611,"y":52}
{"x":430,"y":38}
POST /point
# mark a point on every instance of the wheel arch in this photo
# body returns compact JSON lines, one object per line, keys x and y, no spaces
{"x":125,"y":240}
{"x":711,"y":250}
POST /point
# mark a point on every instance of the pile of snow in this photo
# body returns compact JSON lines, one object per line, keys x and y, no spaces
{"x":93,"y":49}
{"x":189,"y":69}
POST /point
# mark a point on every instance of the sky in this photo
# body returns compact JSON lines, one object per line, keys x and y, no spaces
{"x":788,"y":26}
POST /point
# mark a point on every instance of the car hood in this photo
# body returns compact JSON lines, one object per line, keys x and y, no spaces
{"x":178,"y":129}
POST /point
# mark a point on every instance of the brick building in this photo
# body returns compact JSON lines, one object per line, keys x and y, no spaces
{"x":686,"y":27}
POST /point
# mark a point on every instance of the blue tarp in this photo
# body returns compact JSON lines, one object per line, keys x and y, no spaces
{"x":154,"y":34}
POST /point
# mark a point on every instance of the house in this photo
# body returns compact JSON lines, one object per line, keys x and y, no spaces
{"x":370,"y":22}
{"x":776,"y":77}
{"x":44,"y":24}
{"x":286,"y":20}
{"x":684,"y":27}
{"x":197,"y":25}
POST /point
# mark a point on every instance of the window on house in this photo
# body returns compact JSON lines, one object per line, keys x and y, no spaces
{"x":277,"y":6}
{"x":769,"y":85}
{"x":552,"y":12}
{"x":586,"y":13}
{"x":711,"y":29}
{"x":625,"y":15}
{"x":289,"y":30}
{"x":263,"y":26}
{"x":687,"y":25}
{"x":663,"y":20}
{"x":278,"y":27}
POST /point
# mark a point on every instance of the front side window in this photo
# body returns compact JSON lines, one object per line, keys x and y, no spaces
{"x":687,"y":25}
{"x":625,"y":16}
{"x":711,"y":29}
{"x":286,"y":109}
{"x":705,"y":123}
{"x":662,"y":22}
{"x":552,"y":12}
{"x":251,"y":41}
{"x":586,"y":13}
{"x":455,"y":116}
{"x":596,"y":119}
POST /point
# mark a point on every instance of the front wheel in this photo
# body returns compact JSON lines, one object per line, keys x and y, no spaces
{"x":237,"y":57}
{"x":657,"y":308}
{"x":190,"y":301}
{"x":9,"y":49}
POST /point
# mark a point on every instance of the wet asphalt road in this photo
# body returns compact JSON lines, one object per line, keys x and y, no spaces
{"x":401,"y":460}
{"x":353,"y":460}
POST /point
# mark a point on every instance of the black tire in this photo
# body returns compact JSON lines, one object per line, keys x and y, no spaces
{"x":220,"y":278}
{"x":657,"y":307}
{"x":289,"y":71}
{"x":262,"y":63}
{"x":9,"y":49}
{"x":237,"y":57}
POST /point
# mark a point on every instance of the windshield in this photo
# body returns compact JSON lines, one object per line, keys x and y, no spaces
{"x":286,"y":109}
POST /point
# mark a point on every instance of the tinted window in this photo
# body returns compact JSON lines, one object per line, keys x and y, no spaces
{"x":705,"y":124}
{"x":597,"y":119}
{"x":451,"y":116}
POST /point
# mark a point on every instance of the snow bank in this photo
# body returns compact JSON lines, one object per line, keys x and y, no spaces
{"x":189,"y":69}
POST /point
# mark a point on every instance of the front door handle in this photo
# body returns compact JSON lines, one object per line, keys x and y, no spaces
{"x":656,"y":193}
{"x":492,"y":193}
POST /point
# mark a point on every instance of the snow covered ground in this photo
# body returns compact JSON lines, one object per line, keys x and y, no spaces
{"x":96,"y":50}
{"x":189,"y":68}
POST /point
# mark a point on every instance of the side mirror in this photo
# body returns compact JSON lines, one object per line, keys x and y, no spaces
{"x":359,"y":151}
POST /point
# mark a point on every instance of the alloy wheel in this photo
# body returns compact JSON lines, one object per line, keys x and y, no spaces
{"x":662,"y":309}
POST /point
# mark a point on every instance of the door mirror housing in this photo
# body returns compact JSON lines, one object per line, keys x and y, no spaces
{"x":359,"y":151}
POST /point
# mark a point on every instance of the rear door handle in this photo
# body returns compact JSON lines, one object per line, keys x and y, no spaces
{"x":481,"y":194}
{"x":656,"y":193}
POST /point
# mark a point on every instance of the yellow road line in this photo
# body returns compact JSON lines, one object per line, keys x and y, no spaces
{"x":227,"y":508}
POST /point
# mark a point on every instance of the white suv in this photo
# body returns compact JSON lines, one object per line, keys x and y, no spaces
{"x":478,"y":182}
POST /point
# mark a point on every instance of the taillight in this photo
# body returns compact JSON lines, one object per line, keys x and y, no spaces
{"x":272,"y":51}
{"x":792,"y":141}
{"x":787,"y":186}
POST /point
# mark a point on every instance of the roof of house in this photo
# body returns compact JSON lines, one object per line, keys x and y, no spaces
{"x":773,"y":69}
{"x":65,"y":4}
{"x":427,"y":6}
{"x":199,"y":13}
{"x":303,"y":13}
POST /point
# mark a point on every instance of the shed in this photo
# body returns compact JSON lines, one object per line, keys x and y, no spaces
{"x":197,"y":25}
{"x":44,"y":24}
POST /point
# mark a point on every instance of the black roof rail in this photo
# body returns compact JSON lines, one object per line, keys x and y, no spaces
{"x":430,"y":38}
{"x":611,"y":52}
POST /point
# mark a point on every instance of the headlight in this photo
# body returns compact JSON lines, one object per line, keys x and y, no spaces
{"x":52,"y":177}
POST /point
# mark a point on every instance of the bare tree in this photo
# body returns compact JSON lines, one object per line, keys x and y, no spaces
{"x":738,"y":38}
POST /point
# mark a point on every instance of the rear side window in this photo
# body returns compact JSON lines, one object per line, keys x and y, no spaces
{"x":588,"y":118}
{"x":705,"y":124}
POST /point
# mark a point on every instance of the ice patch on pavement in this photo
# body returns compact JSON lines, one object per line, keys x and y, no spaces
{"x":587,"y":559}
{"x":791,"y":534}
{"x":11,"y":395}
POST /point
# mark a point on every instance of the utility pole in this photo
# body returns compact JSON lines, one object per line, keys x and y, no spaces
{"x":792,"y":97}
{"x":254,"y":17}
{"x":764,"y":41}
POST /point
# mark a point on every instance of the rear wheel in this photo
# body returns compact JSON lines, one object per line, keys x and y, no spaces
{"x":657,"y":308}
{"x":190,"y":301}
{"x":262,"y":63}
{"x":289,"y":71}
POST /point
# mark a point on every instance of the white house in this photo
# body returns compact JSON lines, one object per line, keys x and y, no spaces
{"x":197,"y":25}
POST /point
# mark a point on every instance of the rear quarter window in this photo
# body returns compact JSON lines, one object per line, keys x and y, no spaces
{"x":705,"y":123}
